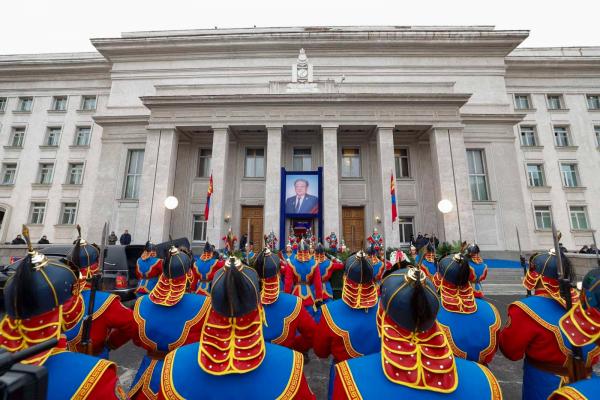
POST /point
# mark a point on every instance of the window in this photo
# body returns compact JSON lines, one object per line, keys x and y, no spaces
{"x":255,"y":163}
{"x":528,"y":138}
{"x":135,"y":165}
{"x":351,"y":163}
{"x":569,"y":175}
{"x":53,"y":136}
{"x":75,"y":176}
{"x":199,"y":228}
{"x":561,"y":136}
{"x":204,"y":157}
{"x":402,"y":162}
{"x":37,"y":212}
{"x":522,"y":102}
{"x":9,"y":173}
{"x":88,"y":103}
{"x":593,"y":101}
{"x":302,"y":159}
{"x":17,"y":137}
{"x":477,"y":175}
{"x":597,"y":131}
{"x":543,"y":217}
{"x":555,"y":102}
{"x":406,"y":229}
{"x":59,"y":103}
{"x":68,"y":213}
{"x":535,"y":175}
{"x":578,"y":218}
{"x":82,"y":136}
{"x":2,"y":104}
{"x":25,"y":104}
{"x":45,"y":173}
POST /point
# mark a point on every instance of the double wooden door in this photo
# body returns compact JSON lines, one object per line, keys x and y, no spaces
{"x":252,"y":225}
{"x":353,"y":227}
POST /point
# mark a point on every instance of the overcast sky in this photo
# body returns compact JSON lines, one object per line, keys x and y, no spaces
{"x":42,"y":26}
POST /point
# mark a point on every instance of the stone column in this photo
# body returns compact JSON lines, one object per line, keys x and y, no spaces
{"x":273,"y":182}
{"x":220,"y":151}
{"x":385,"y":155}
{"x":449,"y":158}
{"x":330,"y":190}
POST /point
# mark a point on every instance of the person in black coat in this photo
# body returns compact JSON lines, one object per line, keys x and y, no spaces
{"x":43,"y":240}
{"x":18,"y":240}
{"x":125,"y":238}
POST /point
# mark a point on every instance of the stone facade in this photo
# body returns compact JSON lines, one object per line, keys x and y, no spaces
{"x":436,"y":92}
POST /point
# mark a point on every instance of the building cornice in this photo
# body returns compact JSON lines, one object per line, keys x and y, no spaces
{"x":508,"y":118}
{"x":121,"y":120}
{"x":78,"y":65}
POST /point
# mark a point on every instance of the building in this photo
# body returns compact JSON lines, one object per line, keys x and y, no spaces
{"x":509,"y":135}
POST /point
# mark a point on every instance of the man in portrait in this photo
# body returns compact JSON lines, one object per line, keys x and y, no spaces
{"x":302,"y":202}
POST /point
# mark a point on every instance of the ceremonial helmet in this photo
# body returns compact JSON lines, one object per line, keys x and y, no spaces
{"x":455,"y":269}
{"x":581,"y":324}
{"x":358,"y":268}
{"x":235,"y":289}
{"x":177,"y":263}
{"x":590,"y":289}
{"x":473,"y":249}
{"x":359,"y":290}
{"x":172,"y":283}
{"x":266,"y":264}
{"x":84,"y":256}
{"x":149,"y":246}
{"x":543,"y":269}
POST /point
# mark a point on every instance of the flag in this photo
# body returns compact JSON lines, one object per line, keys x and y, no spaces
{"x":393,"y":194}
{"x":208,"y":194}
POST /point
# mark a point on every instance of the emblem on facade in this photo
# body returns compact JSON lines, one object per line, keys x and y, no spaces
{"x":302,"y":71}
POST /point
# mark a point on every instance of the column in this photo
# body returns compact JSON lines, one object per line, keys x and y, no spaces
{"x":449,"y":159}
{"x":385,"y":155}
{"x":272,"y":206}
{"x":330,"y":190}
{"x":220,"y":151}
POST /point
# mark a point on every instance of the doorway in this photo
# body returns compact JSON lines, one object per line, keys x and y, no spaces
{"x":252,"y":225}
{"x":353,"y":227}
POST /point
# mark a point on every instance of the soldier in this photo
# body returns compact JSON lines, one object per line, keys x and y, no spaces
{"x":478,"y":267}
{"x":416,"y":360}
{"x":230,"y":240}
{"x":471,"y":324}
{"x":204,"y":269}
{"x":327,"y":267}
{"x":37,"y":299}
{"x":532,"y":331}
{"x":232,"y":360}
{"x":112,"y":323}
{"x":332,"y":241}
{"x":147,"y":269}
{"x":428,"y":260}
{"x":302,"y":274}
{"x":379,"y":266}
{"x":271,"y":240}
{"x":166,"y":319}
{"x":287,"y":321}
{"x":376,"y":240}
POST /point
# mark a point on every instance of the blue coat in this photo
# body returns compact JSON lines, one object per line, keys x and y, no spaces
{"x":310,"y":205}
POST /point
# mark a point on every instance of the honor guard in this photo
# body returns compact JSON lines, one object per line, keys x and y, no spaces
{"x":327,"y":267}
{"x":287,"y":323}
{"x":232,"y":359}
{"x":416,"y":360}
{"x":302,"y":274}
{"x":271,"y":241}
{"x":471,"y":324}
{"x":376,"y":240}
{"x":230,"y":240}
{"x":428,"y":260}
{"x":147,"y":270}
{"x":478,"y":267}
{"x":332,"y":241}
{"x":42,"y":300}
{"x":204,"y":269}
{"x":379,"y":266}
{"x":112,"y":323}
{"x":533,"y":330}
{"x":166,"y":319}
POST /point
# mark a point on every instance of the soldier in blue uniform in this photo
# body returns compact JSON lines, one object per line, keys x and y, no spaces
{"x":232,"y":359}
{"x":428,"y":260}
{"x":204,"y":268}
{"x":327,"y":266}
{"x":303,"y":279}
{"x":479,"y":269}
{"x":147,"y":270}
{"x":471,"y":324}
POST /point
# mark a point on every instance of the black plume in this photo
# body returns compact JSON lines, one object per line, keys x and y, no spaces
{"x":419,"y":305}
{"x":234,"y":286}
{"x":24,"y":290}
{"x":464,"y":271}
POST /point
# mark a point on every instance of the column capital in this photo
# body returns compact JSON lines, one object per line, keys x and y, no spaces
{"x":330,"y":128}
{"x":386,"y":127}
{"x":220,"y":128}
{"x":274,"y":128}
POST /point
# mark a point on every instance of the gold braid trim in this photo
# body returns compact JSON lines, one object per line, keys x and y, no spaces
{"x":295,"y":379}
{"x":92,"y":379}
{"x":166,"y":379}
{"x":494,"y":386}
{"x":494,"y":328}
{"x":287,"y":321}
{"x":350,"y":387}
{"x":344,"y":335}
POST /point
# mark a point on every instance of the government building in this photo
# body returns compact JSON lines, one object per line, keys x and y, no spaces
{"x":509,"y":135}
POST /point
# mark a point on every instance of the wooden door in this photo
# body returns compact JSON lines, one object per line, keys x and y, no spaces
{"x":252,"y":224}
{"x":353,"y":227}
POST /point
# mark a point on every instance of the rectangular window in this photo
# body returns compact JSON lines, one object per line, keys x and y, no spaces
{"x":68,"y":213}
{"x":477,"y":175}
{"x":37,"y":212}
{"x":9,"y":173}
{"x":351,"y":163}
{"x":528,"y":138}
{"x":133,"y":178}
{"x":597,"y":132}
{"x":25,"y":104}
{"x":3,"y":102}
{"x":578,"y":218}
{"x":255,"y":163}
{"x":302,"y":159}
{"x":570,"y":177}
{"x":555,"y":102}
{"x":204,"y":158}
{"x":45,"y":173}
{"x":535,"y":175}
{"x":402,"y":162}
{"x":561,"y":136}
{"x":59,"y":103}
{"x":17,"y":137}
{"x":199,"y":228}
{"x":543,"y":217}
{"x":593,"y":101}
{"x":522,"y":102}
{"x":52,"y":136}
{"x":82,"y":136}
{"x":75,"y":176}
{"x":88,"y":103}
{"x":407,"y":229}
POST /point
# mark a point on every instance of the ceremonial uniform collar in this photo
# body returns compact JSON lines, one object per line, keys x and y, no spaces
{"x":357,"y":295}
{"x":270,"y":290}
{"x":457,"y":299}
{"x":168,"y":292}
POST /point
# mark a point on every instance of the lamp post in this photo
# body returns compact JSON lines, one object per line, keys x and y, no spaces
{"x":445,"y":206}
{"x":171,"y":203}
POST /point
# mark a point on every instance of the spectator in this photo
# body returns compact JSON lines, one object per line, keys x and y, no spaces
{"x":562,"y":248}
{"x":43,"y":240}
{"x":592,"y":249}
{"x":112,"y":238}
{"x":243,"y":241}
{"x":584,"y":250}
{"x":18,"y":240}
{"x":125,"y":238}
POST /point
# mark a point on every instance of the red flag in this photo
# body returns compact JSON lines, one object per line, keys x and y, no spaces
{"x":208,"y":194}
{"x":393,"y":194}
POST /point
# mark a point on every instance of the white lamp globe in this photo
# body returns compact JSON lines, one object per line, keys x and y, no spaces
{"x":445,"y":206}
{"x":171,"y":202}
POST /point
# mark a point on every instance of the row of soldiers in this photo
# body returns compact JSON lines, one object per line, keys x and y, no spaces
{"x":234,"y":330}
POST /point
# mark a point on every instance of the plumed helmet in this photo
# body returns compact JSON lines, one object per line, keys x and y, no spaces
{"x":473,"y":249}
{"x":207,"y":247}
{"x":177,"y":263}
{"x":235,"y":289}
{"x":358,"y":268}
{"x":266,"y":264}
{"x":455,"y":269}
{"x":38,"y":285}
{"x":430,"y":247}
{"x":83,"y":254}
{"x":149,"y":246}
{"x":410,"y":300}
{"x":590,"y":288}
{"x":320,"y":249}
{"x":546,"y":264}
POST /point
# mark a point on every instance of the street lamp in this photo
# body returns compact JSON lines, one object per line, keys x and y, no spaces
{"x":445,"y":206}
{"x":171,"y":202}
